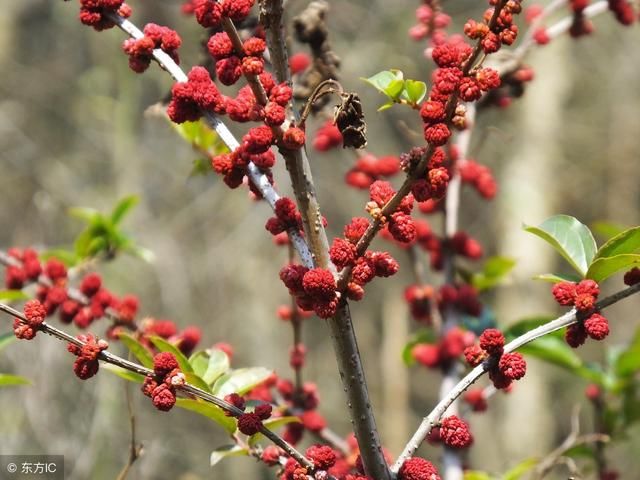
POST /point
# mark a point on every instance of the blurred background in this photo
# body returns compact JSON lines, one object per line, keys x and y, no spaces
{"x":74,"y":131}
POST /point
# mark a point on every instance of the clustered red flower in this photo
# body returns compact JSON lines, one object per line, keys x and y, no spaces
{"x":503,"y":368}
{"x":314,"y":289}
{"x":369,"y":168}
{"x":454,"y":432}
{"x":479,"y":177}
{"x":328,"y":136}
{"x":161,"y":385}
{"x":431,"y":23}
{"x":96,"y":13}
{"x":140,"y":50}
{"x":476,"y":399}
{"x":35,"y":314}
{"x":583,"y":295}
{"x":251,"y":423}
{"x":448,"y":349}
{"x":86,"y":365}
{"x":417,"y":468}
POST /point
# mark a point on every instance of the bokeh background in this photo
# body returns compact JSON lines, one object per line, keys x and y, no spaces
{"x":74,"y":130}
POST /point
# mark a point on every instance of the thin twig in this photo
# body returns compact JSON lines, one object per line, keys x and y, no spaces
{"x":436,"y":414}
{"x":135,"y":450}
{"x":109,"y":357}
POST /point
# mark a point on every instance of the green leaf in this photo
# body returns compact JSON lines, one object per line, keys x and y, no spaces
{"x":272,"y":424}
{"x":85,"y":213}
{"x":520,"y":469}
{"x":12,"y":295}
{"x":394,"y":89}
{"x":572,"y":239}
{"x":625,"y":242}
{"x":197,"y":381}
{"x":476,"y":475}
{"x":554,"y":351}
{"x":557,"y":277}
{"x":7,"y":380}
{"x":579,"y":451}
{"x":603,"y":268}
{"x":526,"y":325}
{"x":200,"y":166}
{"x":415,"y":90}
{"x":227,"y":451}
{"x":386,"y":106}
{"x":240,"y":381}
{"x":123,"y":207}
{"x":217,"y":365}
{"x":137,"y":349}
{"x":142,"y":253}
{"x":208,"y":410}
{"x":6,"y":339}
{"x":421,"y":336}
{"x":164,"y":346}
{"x":123,"y":373}
{"x":628,"y":362}
{"x":493,"y":273}
{"x":381,"y":80}
{"x":607,"y":230}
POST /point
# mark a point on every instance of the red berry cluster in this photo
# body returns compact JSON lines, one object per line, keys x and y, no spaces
{"x":286,"y":217}
{"x":476,"y":399}
{"x":86,"y":365}
{"x":454,"y":432}
{"x":35,"y":314}
{"x":229,"y":66}
{"x":399,"y":224}
{"x":462,"y":297}
{"x":161,"y":385}
{"x":448,"y":349}
{"x":503,"y":368}
{"x":314,"y":289}
{"x":417,"y":468}
{"x":632,"y":276}
{"x":434,"y":184}
{"x":369,"y":168}
{"x":95,"y":13}
{"x":328,"y":136}
{"x":186,"y":340}
{"x":299,"y":62}
{"x":431,"y":23}
{"x":583,"y":296}
{"x":479,"y":177}
{"x":251,"y":423}
{"x":140,"y":51}
{"x":623,"y":11}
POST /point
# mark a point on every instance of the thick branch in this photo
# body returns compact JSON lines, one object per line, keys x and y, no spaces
{"x":436,"y":414}
{"x":109,"y":357}
{"x":271,"y":17}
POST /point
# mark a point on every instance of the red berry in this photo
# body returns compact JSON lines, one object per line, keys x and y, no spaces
{"x":492,"y":341}
{"x":596,"y":326}
{"x":249,"y":423}
{"x":512,"y":366}
{"x":417,"y":468}
{"x":322,"y":456}
{"x":163,"y":363}
{"x":455,"y":432}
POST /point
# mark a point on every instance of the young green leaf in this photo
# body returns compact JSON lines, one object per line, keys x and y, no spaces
{"x":123,"y":207}
{"x":208,"y":410}
{"x":217,"y":366}
{"x":381,"y":80}
{"x":604,"y":267}
{"x":572,"y":239}
{"x":394,"y":89}
{"x":554,"y":351}
{"x":493,"y":273}
{"x":197,"y":381}
{"x":414,"y":90}
{"x":607,"y":230}
{"x":557,"y":277}
{"x":520,"y":469}
{"x":7,"y":380}
{"x":227,"y":451}
{"x":240,"y":381}
{"x":137,"y":349}
{"x":476,"y":475}
{"x":12,"y":295}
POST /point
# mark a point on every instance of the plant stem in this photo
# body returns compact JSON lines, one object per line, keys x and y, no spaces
{"x":436,"y":414}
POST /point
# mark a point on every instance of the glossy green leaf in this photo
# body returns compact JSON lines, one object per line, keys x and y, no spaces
{"x":526,"y":325}
{"x":218,"y":364}
{"x":12,"y":295}
{"x":394,"y":89}
{"x":381,"y":80}
{"x":123,"y":373}
{"x":227,"y":451}
{"x":197,"y":381}
{"x":7,"y":380}
{"x":493,"y":272}
{"x":272,"y":424}
{"x":6,"y":339}
{"x":520,"y":469}
{"x":137,"y":349}
{"x":208,"y":410}
{"x":421,"y":336}
{"x":240,"y":381}
{"x":557,"y":277}
{"x":165,"y":346}
{"x":553,"y":350}
{"x":623,"y":243}
{"x":603,"y":268}
{"x":572,"y":239}
{"x":415,"y":90}
{"x":123,"y":207}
